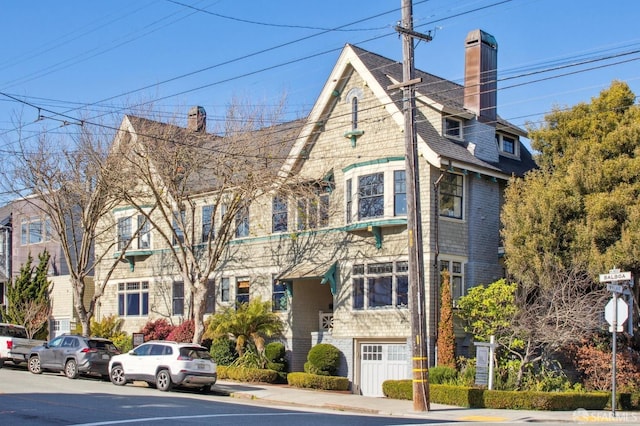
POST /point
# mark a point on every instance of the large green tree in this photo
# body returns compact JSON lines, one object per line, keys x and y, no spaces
{"x":582,"y":206}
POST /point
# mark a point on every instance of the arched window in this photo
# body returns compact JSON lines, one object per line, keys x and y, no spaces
{"x":354,"y":113}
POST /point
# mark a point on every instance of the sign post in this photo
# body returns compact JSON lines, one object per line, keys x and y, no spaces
{"x":616,"y":313}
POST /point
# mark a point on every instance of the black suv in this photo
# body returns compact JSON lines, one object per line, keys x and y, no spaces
{"x":73,"y":354}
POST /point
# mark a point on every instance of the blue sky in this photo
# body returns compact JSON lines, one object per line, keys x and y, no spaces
{"x":105,"y":56}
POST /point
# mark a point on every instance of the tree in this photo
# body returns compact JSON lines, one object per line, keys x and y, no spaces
{"x":534,"y":323}
{"x":582,"y":205}
{"x":179,"y":171}
{"x":446,"y":336}
{"x":71,"y":180}
{"x":248,"y":324}
{"x":28,"y":301}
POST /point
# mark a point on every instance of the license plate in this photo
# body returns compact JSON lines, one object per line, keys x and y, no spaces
{"x":105,"y":356}
{"x":202,"y":367}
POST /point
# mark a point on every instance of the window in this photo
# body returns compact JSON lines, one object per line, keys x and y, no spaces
{"x":207,"y":223}
{"x":380,"y":285}
{"x":224,"y":290}
{"x":124,"y":232}
{"x":133,"y":299}
{"x":210,"y":304}
{"x":371,"y":196}
{"x":242,"y":222}
{"x":177,"y":299}
{"x":279,"y":214}
{"x":399,"y":193}
{"x":507,"y":144}
{"x":453,"y":128}
{"x":242,"y":291}
{"x":179,"y":222}
{"x":455,"y":278}
{"x":451,"y":196}
{"x":354,"y":112}
{"x":35,"y":231}
{"x":280,"y":300}
{"x":144,"y":235}
{"x":313,"y":212}
{"x":349,"y":197}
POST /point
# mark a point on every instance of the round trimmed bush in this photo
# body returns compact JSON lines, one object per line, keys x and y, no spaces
{"x":323,"y":359}
{"x":223,"y":351}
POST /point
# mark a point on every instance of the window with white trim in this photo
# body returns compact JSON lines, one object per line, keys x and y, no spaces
{"x":144,"y":235}
{"x":133,"y":299}
{"x":242,"y":222}
{"x":312,"y":212}
{"x":207,"y":223}
{"x":371,"y":196}
{"x":508,"y":145}
{"x":177,"y":298}
{"x":451,"y":192}
{"x":179,"y":223}
{"x":280,"y":298}
{"x":210,"y":303}
{"x":399,"y":193}
{"x":380,"y":285}
{"x":280,"y":216}
{"x":456,"y":277}
{"x":242,"y":290}
{"x":124,"y":232}
{"x":224,"y":289}
{"x":453,"y":128}
{"x":35,"y":231}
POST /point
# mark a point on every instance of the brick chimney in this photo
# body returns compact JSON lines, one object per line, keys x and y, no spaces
{"x":197,"y":119}
{"x":481,"y":75}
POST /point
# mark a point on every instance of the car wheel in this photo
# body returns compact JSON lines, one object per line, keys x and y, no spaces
{"x":163,"y":380}
{"x":206,"y":389}
{"x":117,"y":376}
{"x":34,"y":365}
{"x":71,"y":369}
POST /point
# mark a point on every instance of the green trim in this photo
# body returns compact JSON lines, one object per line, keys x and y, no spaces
{"x":372,"y":162}
{"x":377,"y":233}
{"x":374,"y":224}
{"x":353,"y":135}
{"x":330,"y":277}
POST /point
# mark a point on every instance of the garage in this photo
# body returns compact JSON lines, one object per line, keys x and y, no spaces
{"x":380,"y":362}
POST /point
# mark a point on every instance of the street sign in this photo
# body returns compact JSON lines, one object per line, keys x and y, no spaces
{"x":615,"y":288}
{"x":623,"y":312}
{"x":615,"y":276}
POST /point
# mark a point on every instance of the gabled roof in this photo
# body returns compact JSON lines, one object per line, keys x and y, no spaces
{"x":441,"y":94}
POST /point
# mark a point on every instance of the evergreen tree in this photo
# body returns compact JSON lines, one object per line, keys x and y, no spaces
{"x":28,"y":301}
{"x":446,"y":335}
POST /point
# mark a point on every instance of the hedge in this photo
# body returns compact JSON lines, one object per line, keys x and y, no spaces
{"x":315,"y":381}
{"x":243,"y":374}
{"x":523,"y":400}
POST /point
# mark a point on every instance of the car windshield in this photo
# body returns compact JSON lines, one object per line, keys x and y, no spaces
{"x":195,"y":353}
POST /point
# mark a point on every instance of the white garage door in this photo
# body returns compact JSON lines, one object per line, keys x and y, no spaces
{"x":380,"y":362}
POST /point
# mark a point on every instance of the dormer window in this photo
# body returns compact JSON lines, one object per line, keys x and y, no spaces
{"x":508,"y":145}
{"x":453,"y":128}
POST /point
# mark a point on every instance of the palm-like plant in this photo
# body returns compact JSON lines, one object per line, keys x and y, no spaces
{"x":249,"y":324}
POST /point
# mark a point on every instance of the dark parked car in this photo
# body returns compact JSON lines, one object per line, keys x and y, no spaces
{"x":73,"y":355}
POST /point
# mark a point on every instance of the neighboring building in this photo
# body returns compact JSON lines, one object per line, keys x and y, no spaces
{"x":25,"y":231}
{"x":334,"y":262}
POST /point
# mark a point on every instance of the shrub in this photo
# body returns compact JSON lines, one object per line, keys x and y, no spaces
{"x":275,"y":354}
{"x":243,"y":374}
{"x":182,"y":333}
{"x":157,"y":330}
{"x":442,"y":375}
{"x":223,"y":351}
{"x":323,"y":359}
{"x":314,"y":381}
{"x":123,"y":342}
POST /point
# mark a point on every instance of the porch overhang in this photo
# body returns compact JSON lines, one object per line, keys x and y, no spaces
{"x":307,"y":270}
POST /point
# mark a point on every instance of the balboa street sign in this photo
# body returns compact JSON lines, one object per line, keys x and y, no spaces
{"x":615,"y":276}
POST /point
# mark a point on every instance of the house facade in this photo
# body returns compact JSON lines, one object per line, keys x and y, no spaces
{"x":334,"y":261}
{"x":27,"y":231}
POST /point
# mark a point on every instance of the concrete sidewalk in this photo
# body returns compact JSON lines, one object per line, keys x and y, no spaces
{"x":347,"y":402}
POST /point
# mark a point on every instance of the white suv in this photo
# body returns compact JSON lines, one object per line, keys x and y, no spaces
{"x":163,"y":364}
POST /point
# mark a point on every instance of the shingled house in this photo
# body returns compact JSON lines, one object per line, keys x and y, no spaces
{"x":335,"y":263}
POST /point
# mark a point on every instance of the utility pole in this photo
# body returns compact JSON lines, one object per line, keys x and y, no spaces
{"x":419,"y":352}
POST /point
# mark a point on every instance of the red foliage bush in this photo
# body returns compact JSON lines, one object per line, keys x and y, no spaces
{"x":157,"y":330}
{"x":593,"y":361}
{"x":183,"y":332}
